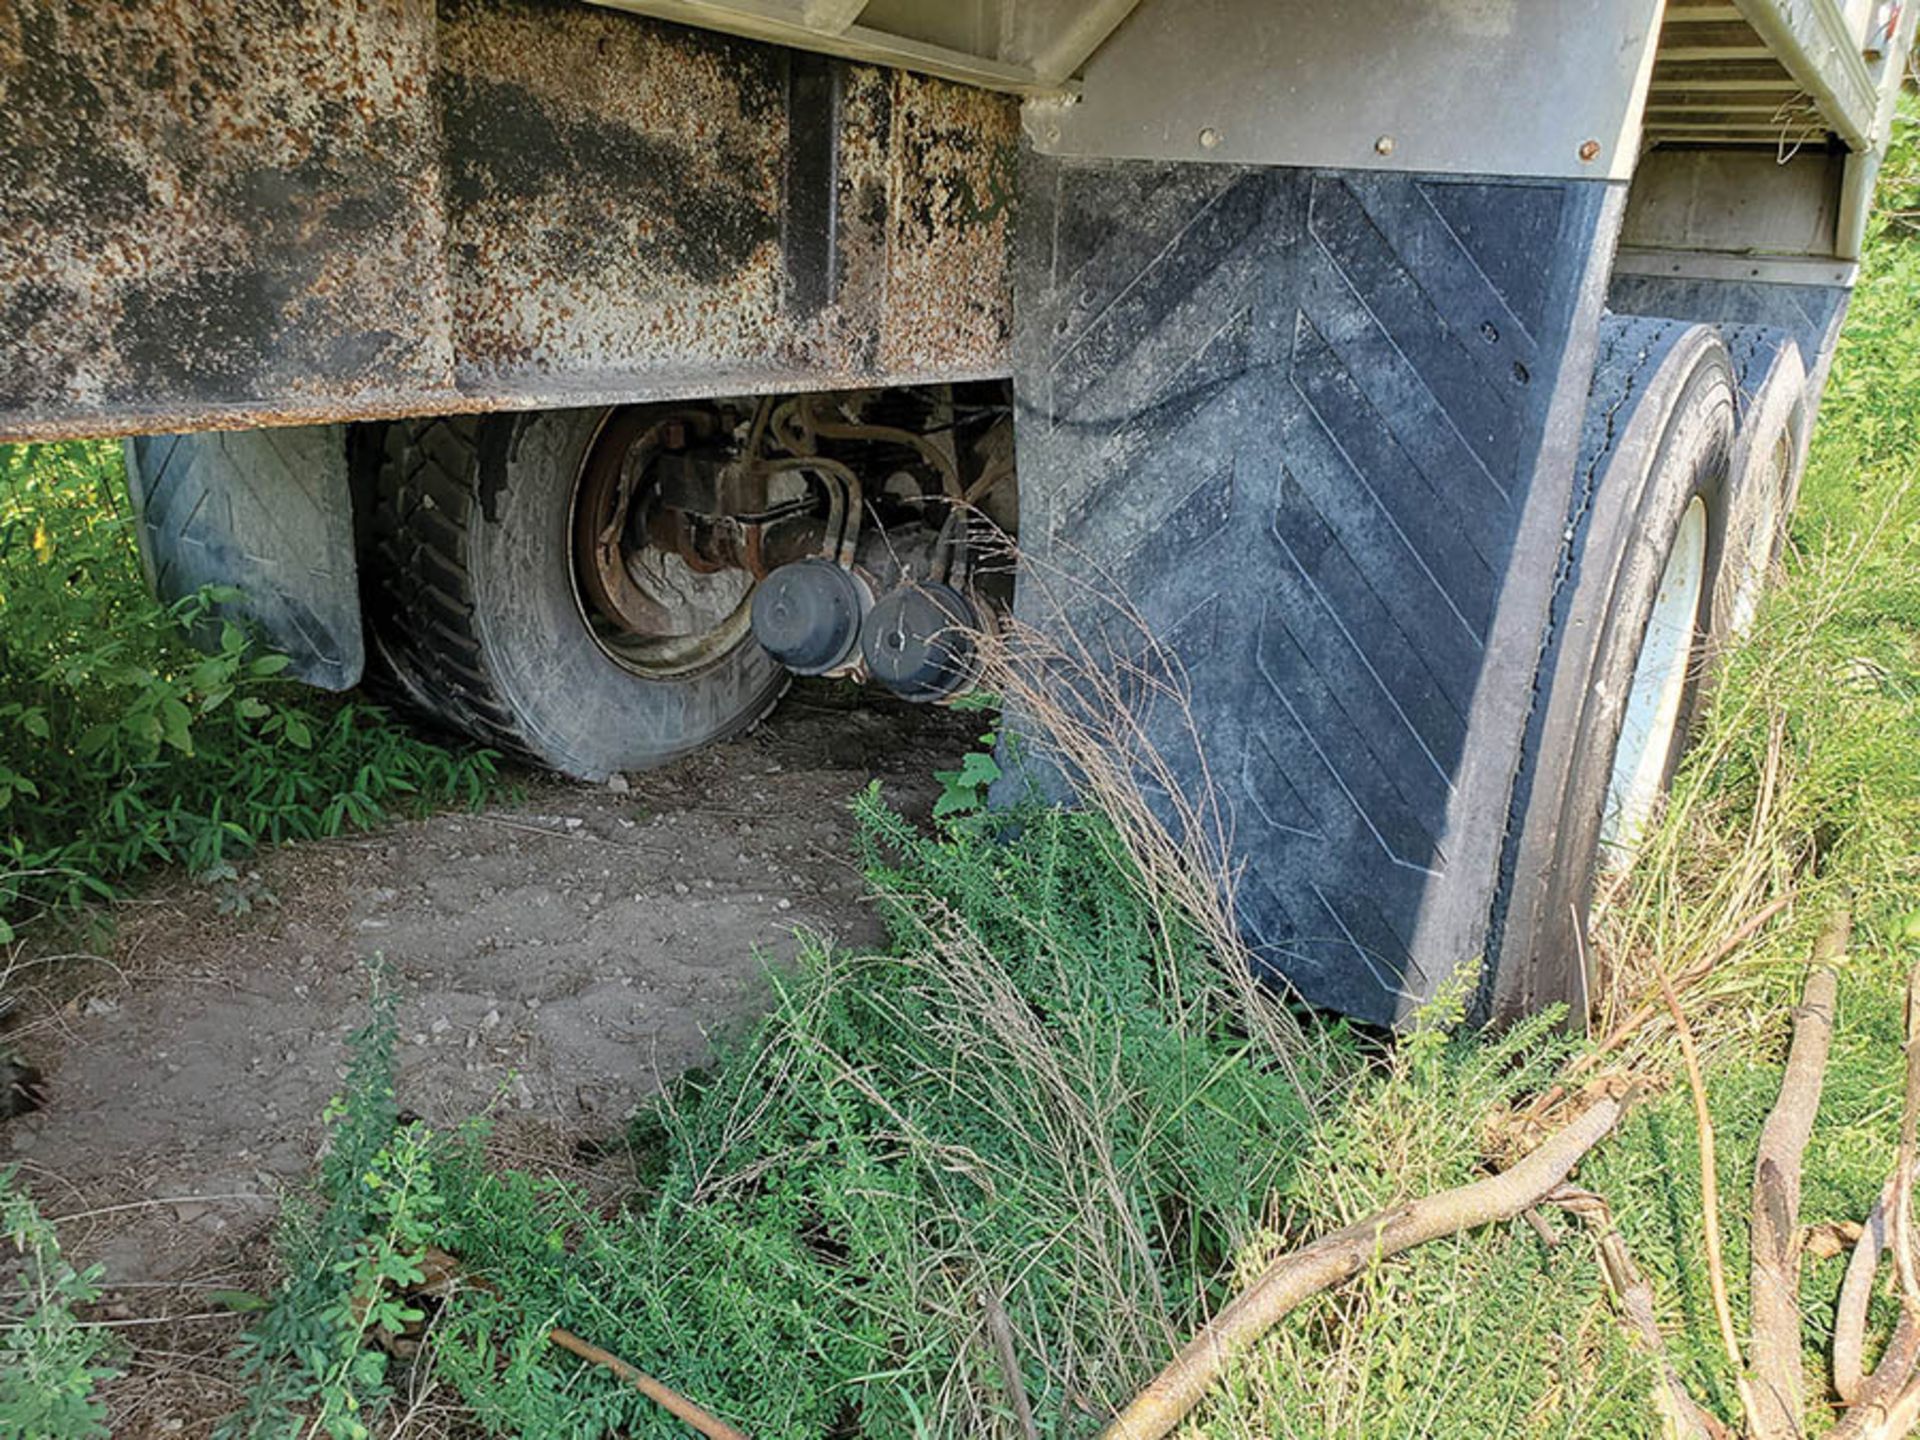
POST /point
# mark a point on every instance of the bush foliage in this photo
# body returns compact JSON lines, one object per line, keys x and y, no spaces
{"x":124,"y":746}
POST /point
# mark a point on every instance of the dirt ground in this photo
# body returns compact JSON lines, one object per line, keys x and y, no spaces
{"x":557,"y":958}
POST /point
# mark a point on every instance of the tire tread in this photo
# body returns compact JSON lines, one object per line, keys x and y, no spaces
{"x":421,"y":614}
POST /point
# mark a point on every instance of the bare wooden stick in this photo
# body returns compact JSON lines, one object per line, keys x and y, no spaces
{"x":1340,"y":1256}
{"x":1634,"y":1298}
{"x":1902,"y":1353}
{"x":1709,"y":1195}
{"x":670,"y":1400}
{"x":1886,"y":1404}
{"x":1002,"y":1331}
{"x":1893,"y":1422}
{"x":1900,"y":1207}
{"x":1778,"y":1386}
{"x":1850,"y":1311}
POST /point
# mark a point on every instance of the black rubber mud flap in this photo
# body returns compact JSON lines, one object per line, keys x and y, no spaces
{"x":267,"y":511}
{"x":1811,"y":314}
{"x":1318,"y":429}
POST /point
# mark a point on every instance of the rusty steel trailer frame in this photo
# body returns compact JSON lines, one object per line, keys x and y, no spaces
{"x":217,"y":214}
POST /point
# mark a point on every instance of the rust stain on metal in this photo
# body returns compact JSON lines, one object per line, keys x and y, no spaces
{"x":227,"y":213}
{"x":218,"y":196}
{"x":952,"y":187}
{"x":614,"y":192}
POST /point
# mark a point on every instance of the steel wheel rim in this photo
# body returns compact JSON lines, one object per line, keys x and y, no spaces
{"x":653,"y":611}
{"x":1660,"y":674}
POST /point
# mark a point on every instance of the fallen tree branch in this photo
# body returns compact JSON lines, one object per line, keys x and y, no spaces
{"x":1778,"y":1387}
{"x":1335,"y":1258}
{"x":1709,"y":1196}
{"x":1886,"y":1404}
{"x":669,"y":1400}
{"x":1850,"y":1314}
{"x":1900,"y":1210}
{"x":1633,"y":1296}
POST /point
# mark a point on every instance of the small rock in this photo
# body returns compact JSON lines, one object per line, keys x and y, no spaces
{"x":489,"y":1020}
{"x":533,"y":1002}
{"x":419,"y":1037}
{"x":617,"y":783}
{"x":303,"y":990}
{"x":101,"y":1005}
{"x":573,"y":822}
{"x":783,"y":904}
{"x":441,"y":1025}
{"x":595,"y":898}
{"x":188,"y":1211}
{"x":680,"y":887}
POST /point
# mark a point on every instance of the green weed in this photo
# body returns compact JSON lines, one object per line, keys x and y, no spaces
{"x":51,"y":1361}
{"x":123,"y":746}
{"x":350,"y":1259}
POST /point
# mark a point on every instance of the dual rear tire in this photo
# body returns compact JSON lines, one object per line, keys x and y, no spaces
{"x":479,"y":614}
{"x":1690,"y":458}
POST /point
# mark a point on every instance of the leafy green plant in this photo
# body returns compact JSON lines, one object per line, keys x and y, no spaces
{"x":51,"y":1361}
{"x":351,"y":1254}
{"x":964,"y":791}
{"x":122,"y":745}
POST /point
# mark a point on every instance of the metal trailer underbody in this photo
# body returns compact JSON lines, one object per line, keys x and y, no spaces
{"x":1299,"y":303}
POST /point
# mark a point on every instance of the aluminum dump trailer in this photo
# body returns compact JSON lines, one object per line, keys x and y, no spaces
{"x":1426,"y":385}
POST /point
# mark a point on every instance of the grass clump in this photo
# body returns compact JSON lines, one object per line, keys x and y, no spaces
{"x":310,"y":1361}
{"x":123,"y":746}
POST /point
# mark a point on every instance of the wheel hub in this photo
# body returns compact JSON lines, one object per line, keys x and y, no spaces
{"x":653,"y":603}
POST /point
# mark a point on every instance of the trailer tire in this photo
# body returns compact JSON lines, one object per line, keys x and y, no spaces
{"x":265,"y":512}
{"x":473,"y":614}
{"x":1763,"y":471}
{"x":1622,"y":660}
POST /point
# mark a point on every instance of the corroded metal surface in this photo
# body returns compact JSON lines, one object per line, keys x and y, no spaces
{"x":613,"y":202}
{"x":216,"y":213}
{"x":950,"y":212}
{"x":217,"y":200}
